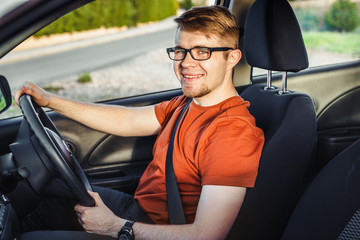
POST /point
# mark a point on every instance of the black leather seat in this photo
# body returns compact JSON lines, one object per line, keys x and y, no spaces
{"x":273,"y":41}
{"x":329,"y":208}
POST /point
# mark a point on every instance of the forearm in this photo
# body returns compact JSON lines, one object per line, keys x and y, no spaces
{"x":149,"y":232}
{"x":144,"y":231}
{"x":101,"y":117}
{"x":111,"y":226}
{"x":112,"y":119}
{"x":217,"y":211}
{"x":178,"y":232}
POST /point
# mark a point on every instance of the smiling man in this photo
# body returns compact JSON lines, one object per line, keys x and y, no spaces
{"x":208,"y":82}
{"x":216,"y":151}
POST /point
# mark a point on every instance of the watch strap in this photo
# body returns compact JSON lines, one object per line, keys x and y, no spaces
{"x":126,"y":232}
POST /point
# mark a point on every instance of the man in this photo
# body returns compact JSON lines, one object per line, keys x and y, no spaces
{"x":218,"y":147}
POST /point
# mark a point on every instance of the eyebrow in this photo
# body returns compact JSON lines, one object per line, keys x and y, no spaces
{"x":198,"y":46}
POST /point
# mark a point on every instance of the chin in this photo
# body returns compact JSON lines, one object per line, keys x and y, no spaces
{"x":195,"y":94}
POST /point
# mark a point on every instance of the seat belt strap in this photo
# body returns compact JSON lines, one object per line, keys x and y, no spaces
{"x":175,"y":208}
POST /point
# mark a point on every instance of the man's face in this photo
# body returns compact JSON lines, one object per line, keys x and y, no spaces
{"x":200,"y":78}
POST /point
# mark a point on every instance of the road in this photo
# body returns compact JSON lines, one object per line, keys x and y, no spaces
{"x":87,"y":58}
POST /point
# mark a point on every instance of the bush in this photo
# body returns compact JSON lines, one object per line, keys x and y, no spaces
{"x":2,"y":102}
{"x":52,"y":88}
{"x":309,"y":19}
{"x":152,"y":10}
{"x":84,"y":78}
{"x":186,"y":4}
{"x":111,"y":13}
{"x":343,"y":16}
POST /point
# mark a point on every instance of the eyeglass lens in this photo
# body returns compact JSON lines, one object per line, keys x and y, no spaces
{"x":196,"y":53}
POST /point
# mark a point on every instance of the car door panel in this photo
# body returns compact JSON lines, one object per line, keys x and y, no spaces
{"x":334,"y":92}
{"x":129,"y":156}
{"x":117,"y":150}
{"x":339,"y":125}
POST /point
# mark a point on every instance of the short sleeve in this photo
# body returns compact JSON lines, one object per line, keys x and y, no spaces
{"x":231,"y":153}
{"x":163,"y":109}
{"x":160,"y":111}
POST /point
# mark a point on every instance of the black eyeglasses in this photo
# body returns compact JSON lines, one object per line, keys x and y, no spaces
{"x":197,"y":53}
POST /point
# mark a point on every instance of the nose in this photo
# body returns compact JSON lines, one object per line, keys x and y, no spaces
{"x":188,"y":61}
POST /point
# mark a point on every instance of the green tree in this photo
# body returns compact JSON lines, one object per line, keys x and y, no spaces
{"x":187,"y":4}
{"x":343,"y":16}
{"x":112,"y":13}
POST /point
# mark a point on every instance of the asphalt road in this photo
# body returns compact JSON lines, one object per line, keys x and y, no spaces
{"x":44,"y":69}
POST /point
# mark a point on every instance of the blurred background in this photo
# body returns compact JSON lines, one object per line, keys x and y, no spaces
{"x":116,"y":48}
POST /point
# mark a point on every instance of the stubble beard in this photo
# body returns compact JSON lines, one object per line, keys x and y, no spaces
{"x":195,"y":93}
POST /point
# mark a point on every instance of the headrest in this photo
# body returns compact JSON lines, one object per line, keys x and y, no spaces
{"x":273,"y":38}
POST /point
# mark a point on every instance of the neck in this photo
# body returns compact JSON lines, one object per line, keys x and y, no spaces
{"x":214,"y":98}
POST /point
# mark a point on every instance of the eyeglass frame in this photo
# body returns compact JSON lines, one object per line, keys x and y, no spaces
{"x":212,"y":49}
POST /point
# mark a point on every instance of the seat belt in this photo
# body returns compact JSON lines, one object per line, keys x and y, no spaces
{"x":175,"y":208}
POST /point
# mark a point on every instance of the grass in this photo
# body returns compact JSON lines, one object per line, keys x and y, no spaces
{"x":347,"y":43}
{"x":84,"y":78}
{"x":2,"y":102}
{"x":52,"y":88}
{"x":12,"y":111}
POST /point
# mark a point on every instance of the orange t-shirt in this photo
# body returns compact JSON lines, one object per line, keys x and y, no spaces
{"x":216,"y":145}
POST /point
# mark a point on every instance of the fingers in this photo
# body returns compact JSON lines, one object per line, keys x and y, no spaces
{"x":24,"y":89}
{"x":80,"y":210}
{"x":86,"y":215}
{"x":40,"y":96}
{"x":99,"y":219}
{"x":19,"y":92}
{"x":98,"y":202}
{"x":97,"y":198}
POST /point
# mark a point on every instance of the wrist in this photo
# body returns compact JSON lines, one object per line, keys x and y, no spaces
{"x":116,"y":227}
{"x":126,"y":232}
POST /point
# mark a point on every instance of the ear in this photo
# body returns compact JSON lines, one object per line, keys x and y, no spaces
{"x":233,"y":58}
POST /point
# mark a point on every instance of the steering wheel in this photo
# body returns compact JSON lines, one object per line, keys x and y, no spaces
{"x":56,"y":150}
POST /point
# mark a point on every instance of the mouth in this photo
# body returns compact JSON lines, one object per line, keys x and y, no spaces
{"x":192,"y":76}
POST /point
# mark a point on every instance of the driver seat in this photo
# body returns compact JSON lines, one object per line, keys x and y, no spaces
{"x":273,"y":41}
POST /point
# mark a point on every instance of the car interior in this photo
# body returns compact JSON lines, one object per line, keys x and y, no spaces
{"x":307,"y":185}
{"x":284,"y":116}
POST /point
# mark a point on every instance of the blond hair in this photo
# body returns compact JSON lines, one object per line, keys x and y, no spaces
{"x":211,"y":20}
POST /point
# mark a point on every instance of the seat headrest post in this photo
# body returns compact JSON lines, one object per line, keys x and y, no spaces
{"x":226,"y":3}
{"x":284,"y":89}
{"x":269,"y":81}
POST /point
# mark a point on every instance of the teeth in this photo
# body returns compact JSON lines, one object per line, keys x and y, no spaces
{"x":192,"y":76}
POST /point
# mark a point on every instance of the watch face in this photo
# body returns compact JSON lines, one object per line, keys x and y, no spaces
{"x":124,"y":237}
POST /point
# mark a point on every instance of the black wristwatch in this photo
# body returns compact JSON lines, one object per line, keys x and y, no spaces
{"x":126,"y":232}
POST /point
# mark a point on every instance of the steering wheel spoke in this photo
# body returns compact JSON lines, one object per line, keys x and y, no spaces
{"x":56,"y":149}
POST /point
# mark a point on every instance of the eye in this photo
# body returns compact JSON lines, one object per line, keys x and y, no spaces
{"x":179,"y":51}
{"x":202,"y":51}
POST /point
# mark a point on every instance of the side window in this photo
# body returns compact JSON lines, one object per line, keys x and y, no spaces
{"x":104,"y":50}
{"x":330,"y":31}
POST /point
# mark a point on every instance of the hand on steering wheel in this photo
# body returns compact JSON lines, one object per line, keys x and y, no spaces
{"x":56,"y":150}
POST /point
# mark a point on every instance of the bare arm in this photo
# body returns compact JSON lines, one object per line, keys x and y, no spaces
{"x":217,"y":210}
{"x":117,"y":120}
